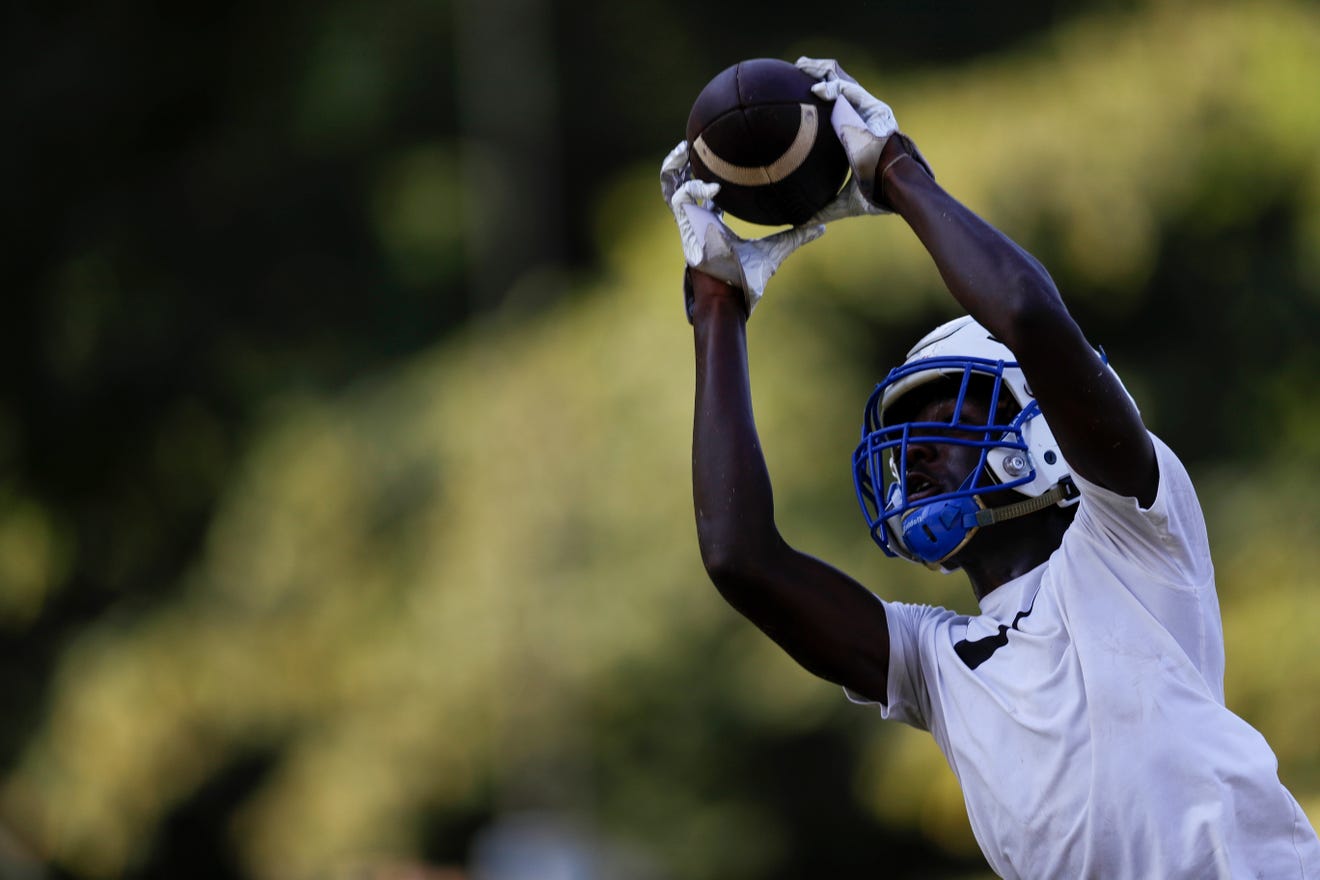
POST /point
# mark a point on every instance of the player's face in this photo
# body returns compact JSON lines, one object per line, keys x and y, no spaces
{"x":933,"y":467}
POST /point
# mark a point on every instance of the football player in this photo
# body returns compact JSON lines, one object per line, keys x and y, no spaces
{"x":1082,"y":709}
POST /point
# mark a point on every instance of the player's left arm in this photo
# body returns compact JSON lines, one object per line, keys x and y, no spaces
{"x":1007,"y":290}
{"x":1098,"y":427}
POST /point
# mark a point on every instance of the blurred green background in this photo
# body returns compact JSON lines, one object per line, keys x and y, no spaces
{"x":345,"y":520}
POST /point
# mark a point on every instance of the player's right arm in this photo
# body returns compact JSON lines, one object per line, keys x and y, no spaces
{"x":828,"y":622}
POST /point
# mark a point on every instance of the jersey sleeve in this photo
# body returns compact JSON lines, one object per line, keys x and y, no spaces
{"x":911,"y":637}
{"x":1168,"y":540}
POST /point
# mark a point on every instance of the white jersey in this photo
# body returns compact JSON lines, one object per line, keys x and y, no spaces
{"x":1083,"y":710}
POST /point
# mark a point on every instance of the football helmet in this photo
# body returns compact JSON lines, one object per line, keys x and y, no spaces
{"x":1019,"y":468}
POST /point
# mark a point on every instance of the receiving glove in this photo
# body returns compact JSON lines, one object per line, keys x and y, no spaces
{"x":714,"y":248}
{"x":863,"y":124}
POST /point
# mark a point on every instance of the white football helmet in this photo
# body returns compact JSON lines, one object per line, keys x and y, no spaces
{"x":1018,"y":453}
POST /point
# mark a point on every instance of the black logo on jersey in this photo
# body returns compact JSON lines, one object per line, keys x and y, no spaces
{"x":975,"y":653}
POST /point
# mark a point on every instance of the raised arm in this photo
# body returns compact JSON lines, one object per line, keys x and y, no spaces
{"x":1005,"y":289}
{"x":825,"y":620}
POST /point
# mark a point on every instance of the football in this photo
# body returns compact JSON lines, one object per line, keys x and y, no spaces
{"x":758,"y":131}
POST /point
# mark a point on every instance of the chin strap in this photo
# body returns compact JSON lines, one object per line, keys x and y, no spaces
{"x":934,"y":533}
{"x":1062,"y":491}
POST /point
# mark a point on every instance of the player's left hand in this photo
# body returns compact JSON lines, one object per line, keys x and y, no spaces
{"x":863,"y":123}
{"x":714,"y":248}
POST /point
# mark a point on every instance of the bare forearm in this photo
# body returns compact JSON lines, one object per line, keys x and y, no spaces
{"x":1008,"y":291}
{"x":990,"y":275}
{"x":825,"y":620}
{"x":731,"y":486}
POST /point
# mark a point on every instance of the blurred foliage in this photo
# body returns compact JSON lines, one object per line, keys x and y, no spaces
{"x":311,"y":560}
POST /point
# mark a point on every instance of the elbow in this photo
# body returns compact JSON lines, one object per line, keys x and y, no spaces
{"x":738,"y":578}
{"x":726,"y":562}
{"x":733,"y":560}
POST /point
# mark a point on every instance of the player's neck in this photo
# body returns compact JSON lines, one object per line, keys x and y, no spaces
{"x":986,"y":576}
{"x":1008,"y":550}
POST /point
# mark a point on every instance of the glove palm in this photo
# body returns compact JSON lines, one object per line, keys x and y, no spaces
{"x":711,"y":246}
{"x":863,"y":124}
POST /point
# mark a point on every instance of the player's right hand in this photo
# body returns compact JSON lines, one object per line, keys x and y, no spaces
{"x":714,"y":248}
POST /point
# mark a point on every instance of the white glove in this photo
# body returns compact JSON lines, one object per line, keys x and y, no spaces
{"x":711,"y":246}
{"x":850,"y":202}
{"x":863,"y":124}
